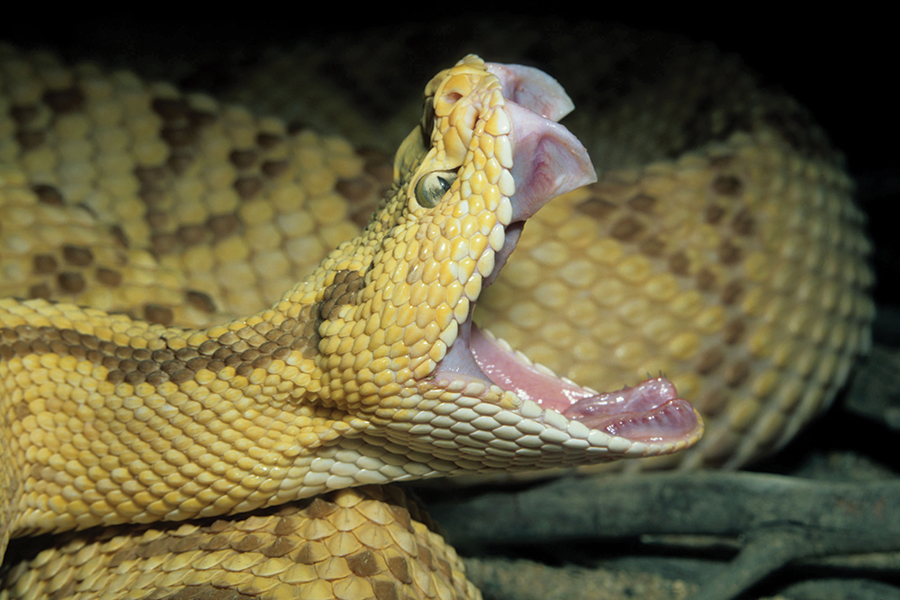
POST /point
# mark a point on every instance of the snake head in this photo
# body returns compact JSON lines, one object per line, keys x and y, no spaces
{"x":398,"y":349}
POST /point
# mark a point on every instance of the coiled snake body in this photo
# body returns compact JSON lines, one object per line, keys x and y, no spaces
{"x":369,"y":370}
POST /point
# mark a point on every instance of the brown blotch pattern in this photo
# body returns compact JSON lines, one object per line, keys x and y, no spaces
{"x":246,"y":349}
{"x":200,"y":300}
{"x":642,"y":203}
{"x":246,"y":543}
{"x":735,"y":374}
{"x":191,"y":234}
{"x":180,"y":160}
{"x":78,"y":256}
{"x":400,"y":569}
{"x":343,"y":290}
{"x":108,"y":277}
{"x":23,"y":115}
{"x":713,"y":214}
{"x":363,"y":563}
{"x":119,"y":236}
{"x":280,"y":547}
{"x":274,"y":168}
{"x":706,"y":280}
{"x":627,"y":229}
{"x":267,"y":140}
{"x":214,"y":542}
{"x":734,"y":331}
{"x":29,"y":140}
{"x":679,"y":263}
{"x":425,"y":558}
{"x":40,"y":290}
{"x":319,"y":508}
{"x":243,"y":159}
{"x":157,"y":313}
{"x":711,"y":402}
{"x":709,"y":361}
{"x":163,"y":243}
{"x":248,"y":187}
{"x":355,"y":190}
{"x":718,"y":162}
{"x":150,"y":175}
{"x":64,"y":101}
{"x":178,"y":137}
{"x":743,"y":223}
{"x":597,"y":208}
{"x":732,"y":292}
{"x":729,"y":254}
{"x":170,"y":109}
{"x":307,"y":555}
{"x":70,"y":283}
{"x":47,"y":194}
{"x":652,"y":246}
{"x":224,"y":225}
{"x":43,"y":264}
{"x":385,"y":590}
{"x":180,"y":130}
{"x":727,"y":185}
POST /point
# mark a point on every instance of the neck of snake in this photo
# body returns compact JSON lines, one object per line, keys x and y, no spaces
{"x":115,"y":421}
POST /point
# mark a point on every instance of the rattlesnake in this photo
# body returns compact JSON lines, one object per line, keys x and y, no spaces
{"x":729,"y":174}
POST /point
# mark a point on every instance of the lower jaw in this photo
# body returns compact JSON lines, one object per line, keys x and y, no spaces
{"x":648,"y":412}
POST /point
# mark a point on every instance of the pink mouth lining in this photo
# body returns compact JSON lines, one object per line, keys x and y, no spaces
{"x":648,"y":412}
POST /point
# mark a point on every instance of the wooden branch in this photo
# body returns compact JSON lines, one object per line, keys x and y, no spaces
{"x":777,"y":520}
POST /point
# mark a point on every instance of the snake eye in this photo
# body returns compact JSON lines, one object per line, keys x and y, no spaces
{"x":432,"y":187}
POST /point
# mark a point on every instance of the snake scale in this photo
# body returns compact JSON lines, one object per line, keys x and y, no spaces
{"x":727,"y":254}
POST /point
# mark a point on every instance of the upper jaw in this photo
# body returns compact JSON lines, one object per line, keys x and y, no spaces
{"x":645,"y":420}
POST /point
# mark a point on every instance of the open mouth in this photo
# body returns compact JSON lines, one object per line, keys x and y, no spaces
{"x":549,"y":161}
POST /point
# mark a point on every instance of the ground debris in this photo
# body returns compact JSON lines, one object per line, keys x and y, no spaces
{"x":528,"y":580}
{"x":715,"y":535}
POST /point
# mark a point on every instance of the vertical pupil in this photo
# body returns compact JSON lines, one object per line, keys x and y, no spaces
{"x":432,"y":187}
